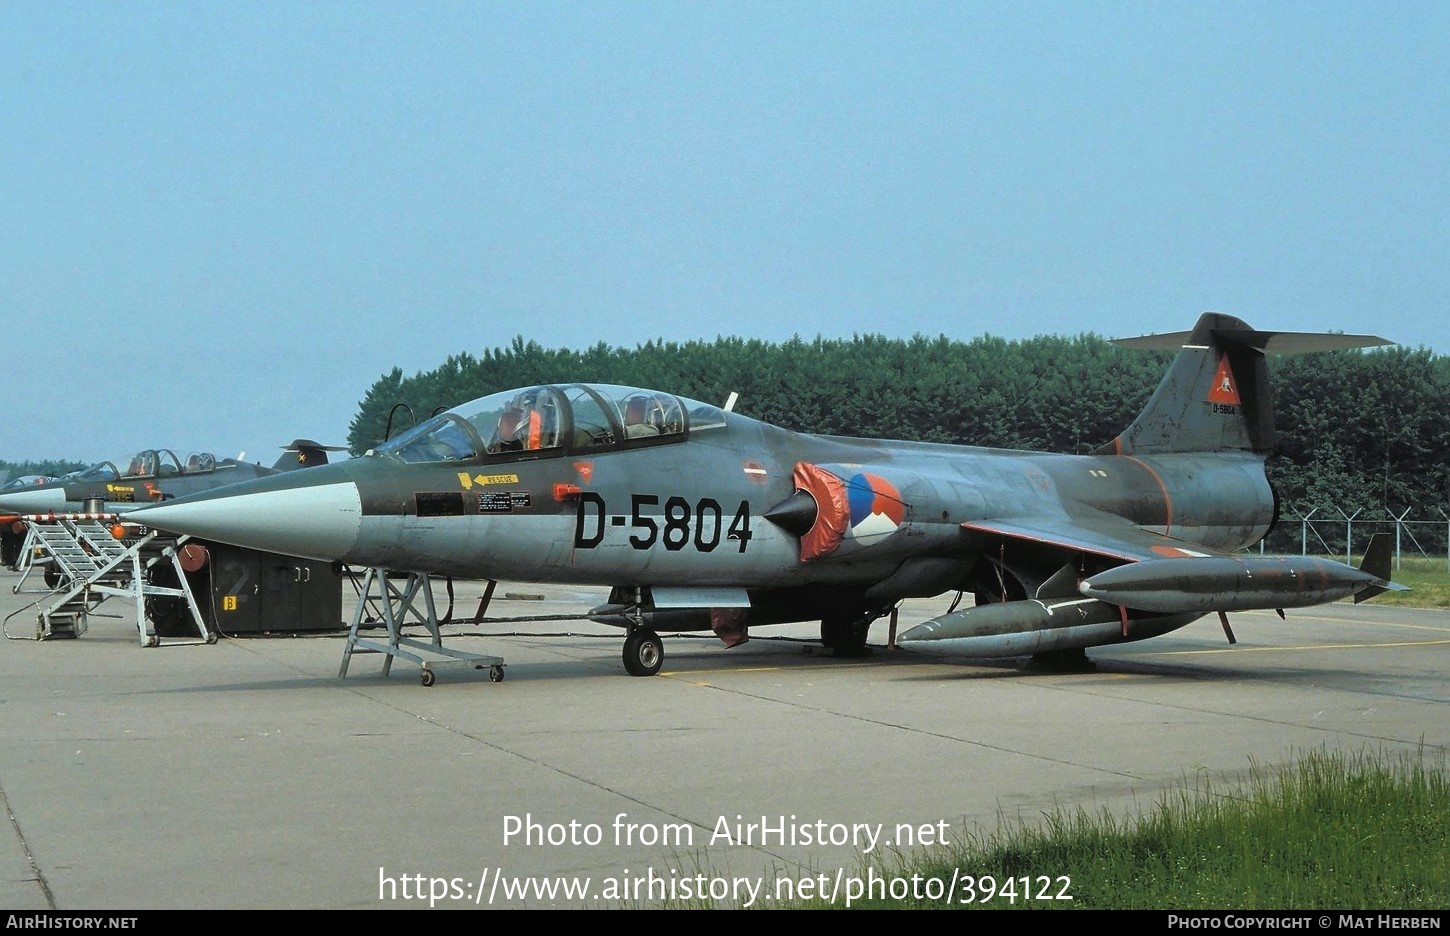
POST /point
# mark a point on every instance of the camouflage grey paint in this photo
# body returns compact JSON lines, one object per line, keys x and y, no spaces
{"x":690,"y":511}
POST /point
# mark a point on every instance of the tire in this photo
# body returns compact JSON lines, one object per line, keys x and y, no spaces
{"x":644,"y":653}
{"x":845,"y":636}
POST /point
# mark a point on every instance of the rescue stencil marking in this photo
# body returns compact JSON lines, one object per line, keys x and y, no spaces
{"x":483,"y":480}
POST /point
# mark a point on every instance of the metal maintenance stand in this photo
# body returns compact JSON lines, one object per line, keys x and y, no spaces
{"x":84,"y":564}
{"x":397,"y":605}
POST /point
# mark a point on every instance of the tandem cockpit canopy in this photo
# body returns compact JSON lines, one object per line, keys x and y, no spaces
{"x":147,"y":463}
{"x":554,"y":419}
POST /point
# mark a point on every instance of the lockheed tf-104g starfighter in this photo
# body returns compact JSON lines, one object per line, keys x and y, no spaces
{"x":705,"y":519}
{"x":151,"y":475}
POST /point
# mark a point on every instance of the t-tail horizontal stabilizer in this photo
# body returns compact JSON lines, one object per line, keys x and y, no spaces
{"x":305,"y":453}
{"x":1215,"y":396}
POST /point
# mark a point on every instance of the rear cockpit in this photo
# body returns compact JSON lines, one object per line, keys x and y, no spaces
{"x":554,"y":419}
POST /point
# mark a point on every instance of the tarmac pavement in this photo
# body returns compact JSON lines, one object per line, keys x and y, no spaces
{"x":246,"y":774}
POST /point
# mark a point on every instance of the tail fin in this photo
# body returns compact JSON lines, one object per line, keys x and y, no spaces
{"x":1378,"y":559}
{"x":1215,"y":396}
{"x":304,"y":453}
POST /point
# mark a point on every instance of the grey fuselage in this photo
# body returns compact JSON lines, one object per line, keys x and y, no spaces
{"x":691,"y":511}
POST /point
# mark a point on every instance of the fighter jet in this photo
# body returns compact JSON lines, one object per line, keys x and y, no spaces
{"x":151,"y":475}
{"x":703,"y":519}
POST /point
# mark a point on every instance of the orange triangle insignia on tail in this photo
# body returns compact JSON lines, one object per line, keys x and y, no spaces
{"x":1223,"y":389}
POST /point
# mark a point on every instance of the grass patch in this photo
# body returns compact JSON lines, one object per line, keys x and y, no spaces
{"x":1331,"y":831}
{"x":1429,"y":584}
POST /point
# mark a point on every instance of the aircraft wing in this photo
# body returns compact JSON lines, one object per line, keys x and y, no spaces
{"x":1166,"y":575}
{"x":1099,"y":534}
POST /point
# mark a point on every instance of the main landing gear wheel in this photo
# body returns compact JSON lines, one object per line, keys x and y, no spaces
{"x":1074,"y":660}
{"x":495,"y":674}
{"x":846,"y":636}
{"x":644,"y":653}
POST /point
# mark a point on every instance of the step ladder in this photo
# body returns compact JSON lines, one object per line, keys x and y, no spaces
{"x":85,"y":564}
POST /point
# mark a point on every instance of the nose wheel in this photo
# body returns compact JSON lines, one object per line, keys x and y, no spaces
{"x":644,"y":652}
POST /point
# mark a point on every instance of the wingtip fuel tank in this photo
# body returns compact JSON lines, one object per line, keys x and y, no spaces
{"x":1204,"y":584}
{"x":1145,"y":599}
{"x":1023,"y":628}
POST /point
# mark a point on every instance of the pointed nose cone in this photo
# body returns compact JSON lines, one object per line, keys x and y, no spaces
{"x":37,"y":500}
{"x":314,"y":514}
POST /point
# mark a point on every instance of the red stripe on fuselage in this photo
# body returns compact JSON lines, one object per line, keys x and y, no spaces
{"x":1167,"y":499}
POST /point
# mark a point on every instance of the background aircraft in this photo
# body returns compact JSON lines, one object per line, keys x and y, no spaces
{"x":24,"y":481}
{"x":703,"y":519}
{"x":12,"y":532}
{"x":151,"y":475}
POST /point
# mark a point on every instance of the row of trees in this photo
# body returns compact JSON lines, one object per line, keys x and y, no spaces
{"x":50,"y":467}
{"x":1028,"y":394}
{"x":1359,"y":430}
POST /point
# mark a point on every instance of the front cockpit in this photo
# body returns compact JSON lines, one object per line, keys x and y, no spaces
{"x":554,"y":419}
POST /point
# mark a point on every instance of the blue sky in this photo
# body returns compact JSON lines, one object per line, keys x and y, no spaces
{"x":222,"y":223}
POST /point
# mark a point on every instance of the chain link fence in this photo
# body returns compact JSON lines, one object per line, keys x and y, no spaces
{"x":1343,"y":533}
